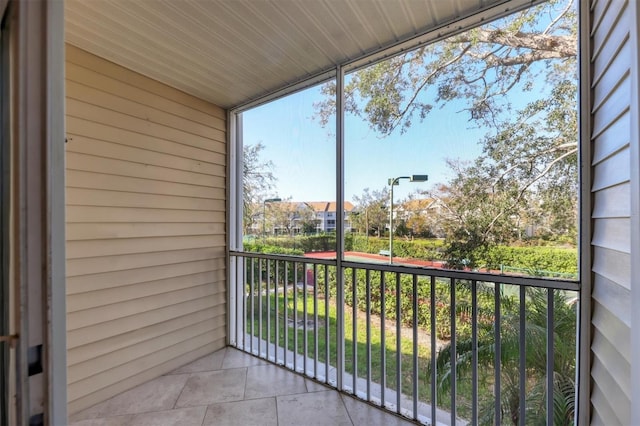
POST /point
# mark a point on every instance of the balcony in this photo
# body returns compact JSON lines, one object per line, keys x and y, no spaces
{"x":494,"y":355}
{"x":147,"y":208}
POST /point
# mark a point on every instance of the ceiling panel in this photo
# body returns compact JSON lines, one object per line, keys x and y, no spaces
{"x":232,"y":51}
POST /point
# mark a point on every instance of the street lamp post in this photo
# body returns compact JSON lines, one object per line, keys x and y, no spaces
{"x":392,"y":182}
{"x":264,"y":211}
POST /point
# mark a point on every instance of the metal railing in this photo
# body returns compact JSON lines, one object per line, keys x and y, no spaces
{"x":433,"y":345}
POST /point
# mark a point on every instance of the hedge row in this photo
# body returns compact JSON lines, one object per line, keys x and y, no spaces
{"x":257,"y":247}
{"x":423,"y":290}
{"x":304,"y":243}
{"x":533,"y":260}
{"x":536,"y":260}
{"x":418,"y":249}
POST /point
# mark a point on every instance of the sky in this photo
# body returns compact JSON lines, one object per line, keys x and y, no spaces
{"x":304,"y":153}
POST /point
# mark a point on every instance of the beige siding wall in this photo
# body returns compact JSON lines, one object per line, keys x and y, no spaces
{"x":145,"y":228}
{"x":611,"y":190}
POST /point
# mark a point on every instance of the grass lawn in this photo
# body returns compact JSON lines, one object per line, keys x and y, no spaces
{"x":365,"y":355}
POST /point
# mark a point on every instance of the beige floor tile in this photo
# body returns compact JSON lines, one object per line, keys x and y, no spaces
{"x":362,"y":413}
{"x":211,"y":362}
{"x":234,"y":359}
{"x":255,"y":412}
{"x":157,"y":395}
{"x":313,"y":386}
{"x":179,"y":417}
{"x":213,"y":386}
{"x":230,"y":388}
{"x":312,"y":409}
{"x":270,"y":380}
{"x":104,"y":421}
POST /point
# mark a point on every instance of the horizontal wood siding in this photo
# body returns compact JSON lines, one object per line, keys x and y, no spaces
{"x":145,"y":228}
{"x":611,"y":244}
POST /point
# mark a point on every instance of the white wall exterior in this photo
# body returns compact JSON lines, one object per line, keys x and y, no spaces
{"x":613,"y":138}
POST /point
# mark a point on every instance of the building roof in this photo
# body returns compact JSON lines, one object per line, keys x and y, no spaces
{"x":317,"y":206}
{"x":330,"y":206}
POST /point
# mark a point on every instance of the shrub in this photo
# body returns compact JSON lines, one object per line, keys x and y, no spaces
{"x":305,"y":243}
{"x":257,"y":247}
{"x":534,"y":259}
{"x":430,"y":249}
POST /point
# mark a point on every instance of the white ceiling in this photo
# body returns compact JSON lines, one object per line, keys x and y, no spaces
{"x":232,"y":51}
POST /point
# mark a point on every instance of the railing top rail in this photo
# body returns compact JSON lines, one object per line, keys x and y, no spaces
{"x":287,"y":257}
{"x":553,"y":283}
{"x":557,"y":284}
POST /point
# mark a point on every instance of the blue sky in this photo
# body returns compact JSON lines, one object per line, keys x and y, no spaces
{"x":304,"y":153}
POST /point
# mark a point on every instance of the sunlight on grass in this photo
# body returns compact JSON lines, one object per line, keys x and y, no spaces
{"x":365,"y":355}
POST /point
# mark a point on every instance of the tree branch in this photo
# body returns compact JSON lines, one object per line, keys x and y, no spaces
{"x":425,"y":80}
{"x":559,"y":17}
{"x":528,"y":185}
{"x":562,"y":46}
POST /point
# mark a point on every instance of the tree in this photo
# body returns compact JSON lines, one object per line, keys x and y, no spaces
{"x":535,"y":355}
{"x":257,"y":181}
{"x":307,"y":220}
{"x":288,"y":216}
{"x":528,"y":166}
{"x":419,"y":215}
{"x":480,"y":66}
{"x":373,"y":214}
{"x":477,"y":213}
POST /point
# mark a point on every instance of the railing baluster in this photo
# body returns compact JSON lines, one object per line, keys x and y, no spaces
{"x":368,"y":313}
{"x":295,"y":316}
{"x":354,"y":332}
{"x":276,"y":299}
{"x":474,"y":352}
{"x":414,"y":322}
{"x":241,"y":280}
{"x":522,"y":359}
{"x":383,"y":345}
{"x":327,"y":323}
{"x":340,"y":331}
{"x":268,"y":293}
{"x":398,"y":344}
{"x":260,"y":310}
{"x":305,"y":313}
{"x":454,"y":370}
{"x":245,"y":295}
{"x":286,"y":312}
{"x":434,"y":394}
{"x":550,"y":355}
{"x":253,"y":307}
{"x":315,"y":320}
{"x":498,"y":355}
{"x":236,"y":303}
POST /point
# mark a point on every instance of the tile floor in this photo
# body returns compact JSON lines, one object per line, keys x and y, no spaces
{"x":230,"y":387}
